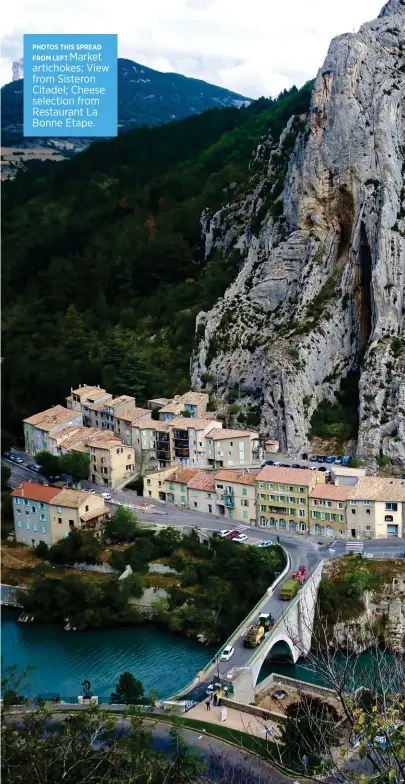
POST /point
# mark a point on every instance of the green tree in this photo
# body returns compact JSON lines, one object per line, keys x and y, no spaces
{"x":42,"y":550}
{"x":76,"y":464}
{"x":128,"y":690}
{"x":50,"y":464}
{"x":13,"y":681}
{"x":122,"y":527}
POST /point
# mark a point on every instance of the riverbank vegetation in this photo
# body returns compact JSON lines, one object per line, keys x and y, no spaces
{"x":208,"y":587}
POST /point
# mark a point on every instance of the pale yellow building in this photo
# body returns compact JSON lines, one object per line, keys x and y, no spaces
{"x":235,"y":494}
{"x":201,"y":491}
{"x":112,"y":462}
{"x":156,"y":485}
{"x":125,"y":422}
{"x":376,"y":508}
{"x":328,"y":510}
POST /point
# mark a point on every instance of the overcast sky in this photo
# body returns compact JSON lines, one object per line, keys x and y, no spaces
{"x":254,"y":47}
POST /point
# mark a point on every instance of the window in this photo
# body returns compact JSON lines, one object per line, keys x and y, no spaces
{"x":229,"y":454}
{"x":26,"y":503}
{"x":389,"y":519}
{"x":182,"y":488}
{"x":59,"y":509}
{"x":28,"y":526}
{"x":368,"y":528}
{"x":195,"y":504}
{"x":120,"y":450}
{"x":42,"y":506}
{"x":244,"y":491}
{"x":60,"y":520}
{"x":329,"y":503}
{"x":315,"y":502}
{"x":340,"y":505}
{"x":220,"y":487}
{"x":35,"y":528}
{"x":244,"y":502}
{"x":302,"y":490}
{"x":27,"y":511}
{"x":291,"y":489}
{"x":366,"y":502}
{"x":16,"y":500}
{"x":391,"y":507}
{"x":245,"y":514}
{"x":301,"y":512}
{"x":263,"y":507}
{"x":42,"y":518}
{"x":148,"y":482}
{"x":231,"y":443}
{"x":33,"y":509}
{"x":292,"y":511}
{"x":183,"y":499}
{"x":43,"y":529}
{"x":19,"y":524}
{"x":352,"y":503}
{"x":368,"y":511}
{"x":353,"y":511}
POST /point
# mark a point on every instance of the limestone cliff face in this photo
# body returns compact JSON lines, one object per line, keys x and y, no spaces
{"x":321,"y":289}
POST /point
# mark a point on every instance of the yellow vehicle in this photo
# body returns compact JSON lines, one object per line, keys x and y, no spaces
{"x":253,"y":636}
{"x":289,"y":589}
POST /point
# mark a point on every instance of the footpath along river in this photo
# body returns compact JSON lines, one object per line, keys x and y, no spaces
{"x":161,"y":660}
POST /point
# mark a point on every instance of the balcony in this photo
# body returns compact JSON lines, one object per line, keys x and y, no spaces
{"x":181,"y":452}
{"x":229,"y":500}
{"x":161,"y":455}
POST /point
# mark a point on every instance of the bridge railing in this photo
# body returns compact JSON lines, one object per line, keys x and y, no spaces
{"x":280,"y":620}
{"x":211,"y":664}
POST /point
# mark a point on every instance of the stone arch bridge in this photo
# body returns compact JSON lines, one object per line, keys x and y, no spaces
{"x":293,"y":627}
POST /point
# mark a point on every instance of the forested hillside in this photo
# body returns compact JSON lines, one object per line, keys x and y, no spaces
{"x":103,"y":268}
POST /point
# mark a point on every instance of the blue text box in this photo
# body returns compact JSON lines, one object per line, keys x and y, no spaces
{"x":70,"y":85}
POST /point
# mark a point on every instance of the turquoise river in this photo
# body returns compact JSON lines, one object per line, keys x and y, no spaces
{"x":62,"y":660}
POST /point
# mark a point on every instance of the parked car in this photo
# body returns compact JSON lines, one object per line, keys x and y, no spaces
{"x":314,"y":458}
{"x":338,"y":461}
{"x":322,"y":468}
{"x":54,"y":478}
{"x":321,"y":459}
{"x":232,"y":534}
{"x":92,"y":491}
{"x":225,"y":532}
{"x":295,"y":465}
{"x":106,"y":496}
{"x":277,"y":464}
{"x":330,"y":459}
{"x":227,"y":653}
{"x":264,"y":543}
{"x":15,"y":458}
{"x":34,"y":467}
{"x":270,"y":462}
{"x":314,"y":468}
{"x":240,"y":538}
{"x":7,"y":455}
{"x":346,"y":460}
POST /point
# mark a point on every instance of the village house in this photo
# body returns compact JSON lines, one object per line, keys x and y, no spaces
{"x":376,"y":508}
{"x":47,"y":514}
{"x":201,"y":492}
{"x":235,"y":494}
{"x":39,"y":428}
{"x":190,"y":443}
{"x":79,"y":398}
{"x":103,"y":414}
{"x":152,"y":443}
{"x":192,"y":404}
{"x":112,"y":462}
{"x":328,"y":509}
{"x":225,"y":448}
{"x":156,"y":403}
{"x":125,"y":422}
{"x":344,"y":475}
{"x":282,"y":497}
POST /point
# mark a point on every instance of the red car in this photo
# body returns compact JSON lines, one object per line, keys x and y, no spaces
{"x":232,"y":534}
{"x":300,"y":573}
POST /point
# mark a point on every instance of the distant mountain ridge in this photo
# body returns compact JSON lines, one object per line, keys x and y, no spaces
{"x":145,"y":97}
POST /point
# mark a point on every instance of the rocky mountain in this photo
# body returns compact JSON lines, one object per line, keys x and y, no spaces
{"x":145,"y":97}
{"x":318,"y":305}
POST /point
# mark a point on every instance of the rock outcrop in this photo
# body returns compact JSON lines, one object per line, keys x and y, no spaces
{"x":321,"y":236}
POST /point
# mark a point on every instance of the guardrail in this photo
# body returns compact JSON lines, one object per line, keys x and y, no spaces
{"x":282,"y":618}
{"x":211,"y":664}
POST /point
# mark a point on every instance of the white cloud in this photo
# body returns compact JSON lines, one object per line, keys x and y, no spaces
{"x":255,"y":48}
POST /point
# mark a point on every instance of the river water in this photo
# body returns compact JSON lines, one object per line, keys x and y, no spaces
{"x":162,"y":661}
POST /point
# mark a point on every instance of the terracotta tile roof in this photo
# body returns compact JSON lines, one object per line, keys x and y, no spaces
{"x":119,"y":401}
{"x":292,"y":476}
{"x":194,"y":398}
{"x":72,"y":498}
{"x":89,"y":390}
{"x":80,"y":435}
{"x":331,"y":492}
{"x":182,"y":475}
{"x":171,"y":408}
{"x":347,"y":471}
{"x":103,"y":510}
{"x":224,"y":433}
{"x":159,"y":400}
{"x":35,"y":492}
{"x":153,"y":424}
{"x":61,"y":436}
{"x":183,"y":423}
{"x":46,"y":420}
{"x":376,"y":488}
{"x":271,"y":441}
{"x":203,"y":481}
{"x":133,"y":414}
{"x":240,"y":476}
